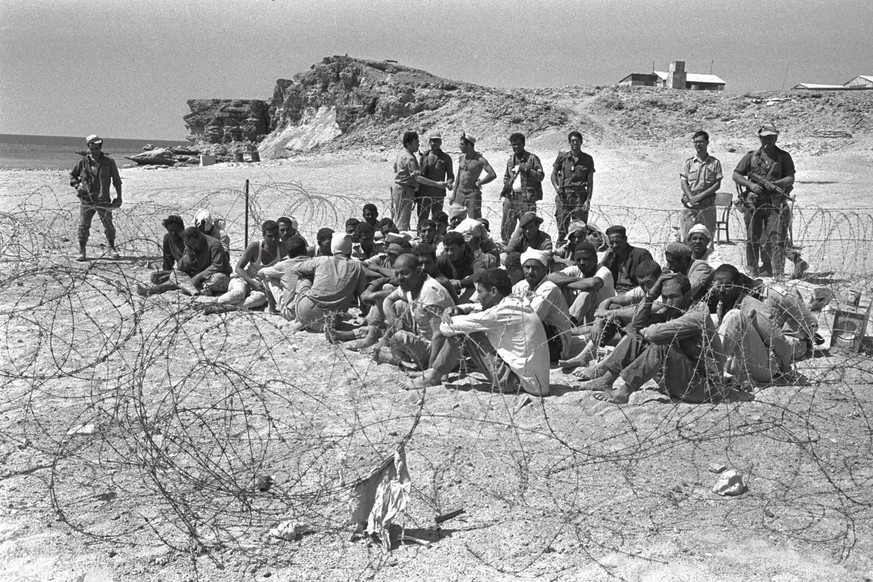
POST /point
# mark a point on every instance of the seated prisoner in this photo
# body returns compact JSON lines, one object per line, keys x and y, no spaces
{"x":530,"y":236}
{"x":172,"y":247}
{"x":213,"y":227}
{"x":245,"y":288}
{"x":623,"y":259}
{"x":754,"y":345}
{"x":681,"y":347}
{"x":203,"y":268}
{"x":680,"y":260}
{"x":287,"y":228}
{"x":413,"y":312}
{"x":505,"y":339}
{"x":281,"y":282}
{"x":585,"y":285}
{"x":459,"y":265}
{"x":547,"y":301}
{"x":613,"y":315}
{"x":337,"y":283}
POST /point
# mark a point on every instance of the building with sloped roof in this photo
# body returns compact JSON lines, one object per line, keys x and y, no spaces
{"x":675,"y":78}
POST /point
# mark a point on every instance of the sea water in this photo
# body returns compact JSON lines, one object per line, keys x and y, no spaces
{"x":38,"y":152}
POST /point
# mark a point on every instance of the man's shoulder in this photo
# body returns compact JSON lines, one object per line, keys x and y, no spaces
{"x":641,"y":254}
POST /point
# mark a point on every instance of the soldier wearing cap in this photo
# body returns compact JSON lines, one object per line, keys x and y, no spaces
{"x":435,"y":165}
{"x":573,"y":179}
{"x":766,"y":212}
{"x":91,"y":177}
{"x":468,"y":185}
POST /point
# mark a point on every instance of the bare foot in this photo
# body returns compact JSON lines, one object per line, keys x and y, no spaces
{"x":619,"y":395}
{"x":594,"y":386}
{"x":585,"y":373}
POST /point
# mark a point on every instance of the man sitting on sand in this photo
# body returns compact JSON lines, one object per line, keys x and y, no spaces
{"x":622,"y":259}
{"x":203,"y":269}
{"x":681,"y":344}
{"x":547,"y":301}
{"x":244,"y":288}
{"x":413,"y":329}
{"x":213,"y":227}
{"x":321,"y":248}
{"x":529,"y":236}
{"x":505,"y":340}
{"x":337,"y":282}
{"x":281,"y":282}
{"x":173,"y":248}
{"x":680,"y":260}
{"x":585,"y":284}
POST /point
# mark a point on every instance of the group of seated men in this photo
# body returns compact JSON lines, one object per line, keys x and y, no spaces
{"x":449,"y":298}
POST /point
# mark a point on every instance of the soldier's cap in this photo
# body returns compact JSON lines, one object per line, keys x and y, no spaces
{"x":469,"y":138}
{"x":616,"y":229}
{"x":529,"y":217}
{"x":436,"y":135}
{"x":768,"y":129}
{"x":93,"y":138}
{"x":678,"y":249}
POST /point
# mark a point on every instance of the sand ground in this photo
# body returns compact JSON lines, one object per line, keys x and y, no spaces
{"x":187,"y":407}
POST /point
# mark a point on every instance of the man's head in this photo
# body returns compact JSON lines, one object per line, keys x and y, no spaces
{"x":296,"y":246}
{"x":585,"y":256}
{"x":726,"y":283}
{"x":575,"y":140}
{"x":174,"y":225}
{"x":678,"y":257}
{"x":698,"y":239}
{"x":455,"y":246}
{"x":577,"y":231}
{"x":436,"y":141}
{"x":351,"y":226}
{"x":701,"y":143}
{"x":516,"y":140}
{"x":270,"y":232}
{"x":467,"y":143}
{"x":287,"y":227}
{"x":203,"y":220}
{"x":341,"y":244}
{"x":371,"y":214}
{"x":387,"y":225}
{"x":426,"y":258}
{"x":485,"y":224}
{"x":95,"y":145}
{"x":456,"y":213}
{"x":409,"y":272}
{"x":427,"y":230}
{"x":676,"y":292}
{"x":193,"y":238}
{"x":492,"y":286}
{"x":768,"y":134}
{"x":647,"y":274}
{"x":364,"y":234}
{"x":322,"y":239}
{"x":530,"y":224}
{"x":535,"y":265}
{"x":512,"y":264}
{"x":410,"y":141}
{"x":617,"y":236}
{"x":442,"y":222}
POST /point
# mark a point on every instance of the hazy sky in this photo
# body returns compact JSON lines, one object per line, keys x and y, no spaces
{"x":124,"y":68}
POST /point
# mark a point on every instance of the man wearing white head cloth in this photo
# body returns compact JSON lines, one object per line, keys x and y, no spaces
{"x":337,"y":282}
{"x":547,"y":301}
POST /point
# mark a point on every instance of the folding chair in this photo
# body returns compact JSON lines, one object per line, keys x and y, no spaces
{"x":723,"y":201}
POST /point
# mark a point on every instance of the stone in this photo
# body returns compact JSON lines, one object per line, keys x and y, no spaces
{"x":730,"y":483}
{"x":716,"y":467}
{"x":154,"y":157}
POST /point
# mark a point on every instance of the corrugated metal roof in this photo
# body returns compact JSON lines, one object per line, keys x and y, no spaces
{"x":817,"y":86}
{"x":694,"y":78}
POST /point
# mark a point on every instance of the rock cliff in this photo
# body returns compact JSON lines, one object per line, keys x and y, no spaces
{"x":227,"y":121}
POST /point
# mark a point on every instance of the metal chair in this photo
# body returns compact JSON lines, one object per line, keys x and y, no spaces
{"x":723,"y":202}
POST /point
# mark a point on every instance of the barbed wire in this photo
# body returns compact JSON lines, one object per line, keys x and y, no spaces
{"x":153,"y":419}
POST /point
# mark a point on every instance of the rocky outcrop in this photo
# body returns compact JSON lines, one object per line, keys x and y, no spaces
{"x":225,"y":121}
{"x":344,"y":101}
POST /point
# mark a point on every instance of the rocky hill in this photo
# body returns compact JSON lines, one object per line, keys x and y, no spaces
{"x":343,"y":102}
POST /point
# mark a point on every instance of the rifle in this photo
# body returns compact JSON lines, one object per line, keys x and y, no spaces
{"x":770,"y":186}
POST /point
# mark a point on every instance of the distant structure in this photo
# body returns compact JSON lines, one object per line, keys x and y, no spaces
{"x":675,"y":78}
{"x":859,"y":83}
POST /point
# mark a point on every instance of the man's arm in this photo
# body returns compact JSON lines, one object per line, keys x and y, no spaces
{"x":556,"y":172}
{"x":534,"y":169}
{"x":248,"y":256}
{"x":450,"y":173}
{"x":587,"y":204}
{"x":490,"y":174}
{"x":218,"y":263}
{"x":116,"y":182}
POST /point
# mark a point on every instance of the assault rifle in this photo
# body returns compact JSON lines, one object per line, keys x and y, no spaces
{"x":770,"y":186}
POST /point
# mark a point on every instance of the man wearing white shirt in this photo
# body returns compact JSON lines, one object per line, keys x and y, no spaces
{"x":592,"y":283}
{"x":505,"y":340}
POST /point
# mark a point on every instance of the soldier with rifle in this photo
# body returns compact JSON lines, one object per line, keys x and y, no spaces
{"x":767,"y":178}
{"x":91,"y":177}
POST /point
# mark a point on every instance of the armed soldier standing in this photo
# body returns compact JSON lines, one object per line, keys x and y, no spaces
{"x":767,"y":176}
{"x":573,"y":179}
{"x":91,"y":178}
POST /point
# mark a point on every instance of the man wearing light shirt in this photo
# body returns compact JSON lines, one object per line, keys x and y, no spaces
{"x":592,"y":283}
{"x":700,"y":179}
